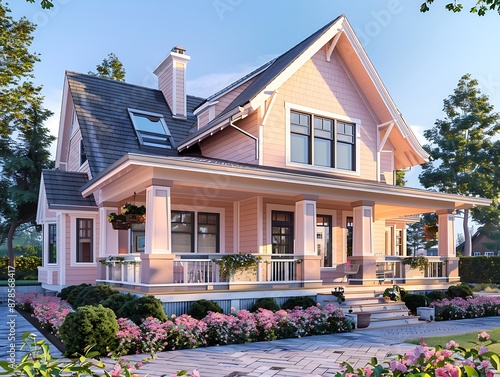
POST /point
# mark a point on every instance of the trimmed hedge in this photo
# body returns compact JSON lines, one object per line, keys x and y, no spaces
{"x":94,"y":295}
{"x":268,"y":303}
{"x":26,"y":268}
{"x":89,"y":325}
{"x":142,"y":307}
{"x":479,"y":269}
{"x":199,"y":309}
{"x":303,"y":302}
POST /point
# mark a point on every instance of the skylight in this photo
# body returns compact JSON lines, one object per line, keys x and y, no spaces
{"x":151,"y":129}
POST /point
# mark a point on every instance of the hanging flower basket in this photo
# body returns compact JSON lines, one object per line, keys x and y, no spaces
{"x":120,"y":225}
{"x":134,"y":219}
{"x":133,"y":213}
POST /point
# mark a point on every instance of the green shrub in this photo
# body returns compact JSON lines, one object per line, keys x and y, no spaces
{"x":486,"y":287}
{"x":414,"y":301}
{"x":302,"y":301}
{"x":268,"y":303}
{"x":26,"y":267}
{"x":200,"y":308}
{"x":75,"y":292}
{"x":117,"y":300}
{"x":142,"y":307}
{"x":479,"y":269}
{"x":436,"y":295}
{"x":461,"y":290}
{"x":89,"y":325}
{"x":66,"y":291}
{"x":93,"y":295}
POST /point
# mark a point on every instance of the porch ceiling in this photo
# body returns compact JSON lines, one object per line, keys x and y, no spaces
{"x":225,"y":181}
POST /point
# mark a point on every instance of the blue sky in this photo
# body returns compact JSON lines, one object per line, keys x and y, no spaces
{"x":420,"y":57}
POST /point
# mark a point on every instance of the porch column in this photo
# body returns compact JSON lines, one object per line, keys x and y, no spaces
{"x":305,"y":239}
{"x":446,"y":242}
{"x":362,"y":243}
{"x":108,"y":240}
{"x":157,"y":261}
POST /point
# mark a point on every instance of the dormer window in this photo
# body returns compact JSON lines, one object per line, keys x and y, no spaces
{"x":151,"y":129}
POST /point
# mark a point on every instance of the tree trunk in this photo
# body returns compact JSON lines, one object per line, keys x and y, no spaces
{"x":10,"y":246}
{"x":467,"y":238}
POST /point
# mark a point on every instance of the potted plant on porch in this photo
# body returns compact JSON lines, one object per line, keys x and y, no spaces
{"x":229,"y":264}
{"x":118,"y":221}
{"x":133,"y":213}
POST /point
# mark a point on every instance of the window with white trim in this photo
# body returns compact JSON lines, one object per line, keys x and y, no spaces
{"x":151,"y":129}
{"x":84,"y":240}
{"x":489,"y":253}
{"x":83,"y":154}
{"x":52,"y":244}
{"x":201,"y":229}
{"x":322,"y":141}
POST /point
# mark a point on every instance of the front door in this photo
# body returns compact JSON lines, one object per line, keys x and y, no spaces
{"x":324,"y":240}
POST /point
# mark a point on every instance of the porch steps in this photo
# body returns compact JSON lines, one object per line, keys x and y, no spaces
{"x":382,"y":313}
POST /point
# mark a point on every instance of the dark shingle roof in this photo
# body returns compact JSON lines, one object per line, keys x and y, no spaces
{"x":62,"y":189}
{"x":277,"y":66}
{"x":108,"y":134}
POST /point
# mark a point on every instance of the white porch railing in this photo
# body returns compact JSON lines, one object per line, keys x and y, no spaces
{"x":200,"y":269}
{"x":123,"y":268}
{"x":392,"y":268}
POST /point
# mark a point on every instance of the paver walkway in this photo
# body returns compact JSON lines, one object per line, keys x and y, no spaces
{"x":310,"y":356}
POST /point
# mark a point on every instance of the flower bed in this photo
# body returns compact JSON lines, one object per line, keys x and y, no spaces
{"x":242,"y":326}
{"x":49,"y":311}
{"x":459,"y":308}
{"x":451,"y":361}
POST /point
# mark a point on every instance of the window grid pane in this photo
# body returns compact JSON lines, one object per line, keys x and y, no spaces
{"x":282,"y":232}
{"x":52,"y":244}
{"x":182,"y":231}
{"x":84,"y":250}
{"x":208,"y":232}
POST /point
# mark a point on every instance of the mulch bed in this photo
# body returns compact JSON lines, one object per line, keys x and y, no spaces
{"x":47,"y":334}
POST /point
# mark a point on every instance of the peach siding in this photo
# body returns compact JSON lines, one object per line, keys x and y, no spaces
{"x":379,"y":237}
{"x":386,"y":166}
{"x":229,"y":97}
{"x":43,"y":276}
{"x":232,"y":145}
{"x":203,"y":118}
{"x":74,"y":152}
{"x":180,"y":73}
{"x":78,"y":274}
{"x":165,"y":85}
{"x":324,"y":86}
{"x":248,"y":225}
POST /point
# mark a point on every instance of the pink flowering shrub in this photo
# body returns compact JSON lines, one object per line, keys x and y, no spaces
{"x":450,"y":361}
{"x":50,"y":311}
{"x":459,"y":308}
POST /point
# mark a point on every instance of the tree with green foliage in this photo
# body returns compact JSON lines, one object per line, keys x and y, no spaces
{"x":110,"y":68}
{"x":461,"y":149}
{"x":481,"y":6}
{"x":24,"y":141}
{"x":400,"y":178}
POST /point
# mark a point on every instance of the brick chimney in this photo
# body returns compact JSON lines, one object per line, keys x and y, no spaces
{"x":172,"y":80}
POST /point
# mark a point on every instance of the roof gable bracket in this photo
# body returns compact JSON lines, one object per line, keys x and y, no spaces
{"x":267,"y":111}
{"x":256,"y":139}
{"x":386,"y":136}
{"x":333,"y":44}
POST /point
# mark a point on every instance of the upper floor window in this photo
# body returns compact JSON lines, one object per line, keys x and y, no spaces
{"x":84,"y":240}
{"x":322,"y":141}
{"x":83,"y":154}
{"x":151,"y":129}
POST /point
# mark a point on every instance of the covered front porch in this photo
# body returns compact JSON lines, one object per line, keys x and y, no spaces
{"x":309,"y":230}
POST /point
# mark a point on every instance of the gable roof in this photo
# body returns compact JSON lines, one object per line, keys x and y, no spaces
{"x":62,"y":190}
{"x":102,"y":110}
{"x":280,"y":69}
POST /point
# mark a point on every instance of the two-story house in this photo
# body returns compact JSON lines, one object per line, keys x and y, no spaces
{"x":293,"y":162}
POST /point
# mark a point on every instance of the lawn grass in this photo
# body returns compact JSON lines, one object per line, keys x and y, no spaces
{"x":464,"y":340}
{"x":4,"y":283}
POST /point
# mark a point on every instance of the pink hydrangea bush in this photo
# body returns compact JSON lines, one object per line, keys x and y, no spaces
{"x":450,"y":361}
{"x":50,"y":311}
{"x":459,"y":308}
